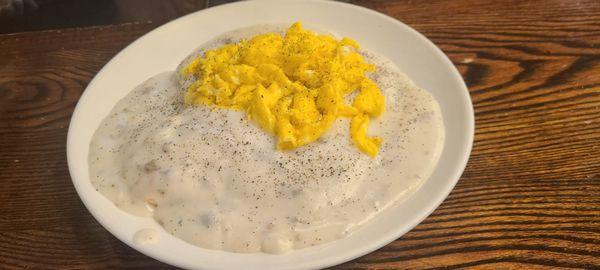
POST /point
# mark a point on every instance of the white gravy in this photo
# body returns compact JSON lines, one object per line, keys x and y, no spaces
{"x":213,"y":179}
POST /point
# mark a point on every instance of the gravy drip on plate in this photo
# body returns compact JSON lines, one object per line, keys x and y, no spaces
{"x":213,"y":179}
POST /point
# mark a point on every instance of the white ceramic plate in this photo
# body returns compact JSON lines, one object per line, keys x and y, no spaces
{"x":163,"y":49}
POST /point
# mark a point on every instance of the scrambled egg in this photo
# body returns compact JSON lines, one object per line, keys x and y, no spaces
{"x":293,"y":86}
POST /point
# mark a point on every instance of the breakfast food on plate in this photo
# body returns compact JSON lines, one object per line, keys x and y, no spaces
{"x":268,"y":139}
{"x":293,"y":86}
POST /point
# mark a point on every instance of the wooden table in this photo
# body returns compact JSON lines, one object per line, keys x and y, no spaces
{"x":529,"y":198}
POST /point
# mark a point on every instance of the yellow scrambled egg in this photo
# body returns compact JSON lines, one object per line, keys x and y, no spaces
{"x":293,"y":86}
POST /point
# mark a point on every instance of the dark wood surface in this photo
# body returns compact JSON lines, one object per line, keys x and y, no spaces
{"x":59,"y":14}
{"x":529,"y":198}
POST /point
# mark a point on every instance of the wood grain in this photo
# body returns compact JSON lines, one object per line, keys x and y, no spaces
{"x":58,"y":14}
{"x":529,"y":198}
